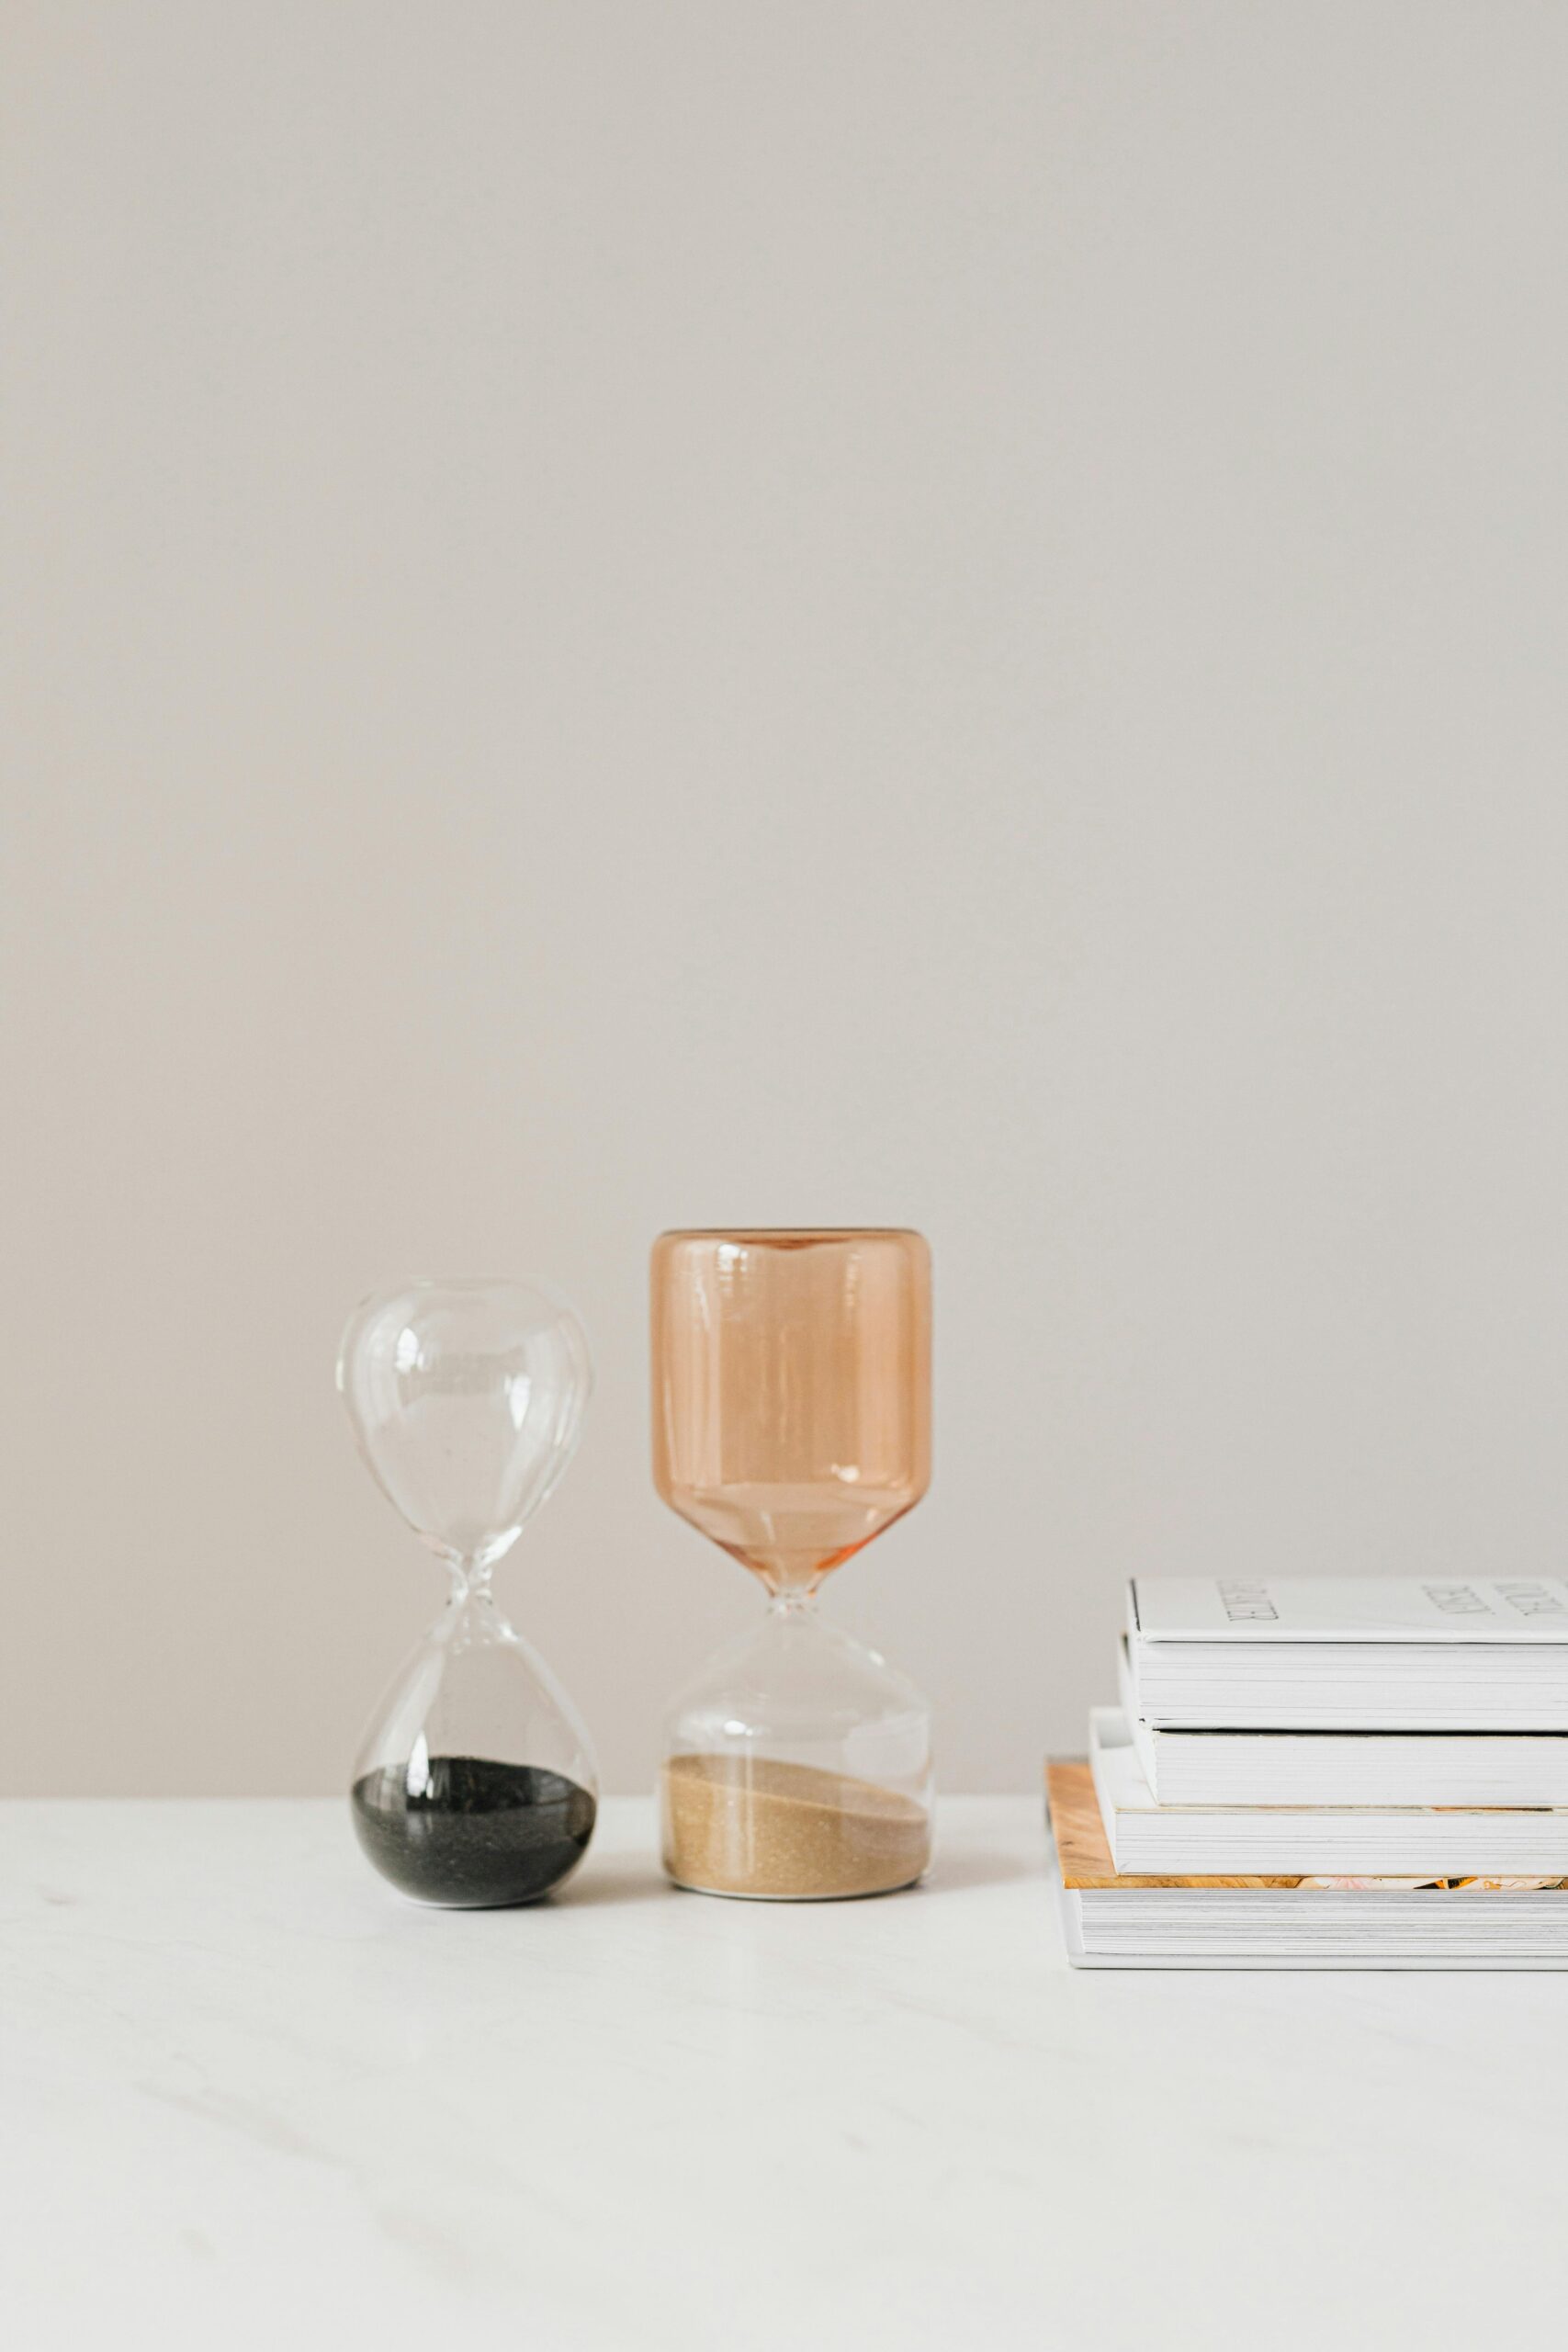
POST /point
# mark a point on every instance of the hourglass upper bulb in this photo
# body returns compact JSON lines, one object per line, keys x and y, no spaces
{"x":467,"y":1399}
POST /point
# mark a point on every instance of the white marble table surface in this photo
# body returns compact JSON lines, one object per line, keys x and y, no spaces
{"x":250,"y":2097}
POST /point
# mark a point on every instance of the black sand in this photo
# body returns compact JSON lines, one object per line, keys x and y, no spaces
{"x":480,"y":1835}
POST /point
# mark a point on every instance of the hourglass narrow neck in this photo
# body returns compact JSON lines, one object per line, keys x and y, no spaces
{"x":793,"y":1603}
{"x":471,"y":1614}
{"x":468,"y":1579}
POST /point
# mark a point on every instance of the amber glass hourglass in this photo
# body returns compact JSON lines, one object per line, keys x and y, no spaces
{"x":792,"y":1423}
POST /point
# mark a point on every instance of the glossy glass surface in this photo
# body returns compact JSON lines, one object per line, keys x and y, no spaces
{"x":792,"y":1391}
{"x":475,"y":1784}
{"x":792,"y":1424}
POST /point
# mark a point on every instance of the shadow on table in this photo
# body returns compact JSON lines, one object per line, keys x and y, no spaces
{"x":618,"y":1878}
{"x":632,"y":1878}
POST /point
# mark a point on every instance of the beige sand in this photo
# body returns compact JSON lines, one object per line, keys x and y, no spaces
{"x":735,"y":1824}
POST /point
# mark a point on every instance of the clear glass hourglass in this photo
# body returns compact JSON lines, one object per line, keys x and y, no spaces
{"x":792,"y":1423}
{"x":475,"y":1785}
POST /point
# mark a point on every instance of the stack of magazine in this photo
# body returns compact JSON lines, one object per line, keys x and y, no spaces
{"x":1325,"y":1772}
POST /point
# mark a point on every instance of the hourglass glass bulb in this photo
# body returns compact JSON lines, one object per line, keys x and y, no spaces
{"x":467,"y":1399}
{"x":475,"y":1784}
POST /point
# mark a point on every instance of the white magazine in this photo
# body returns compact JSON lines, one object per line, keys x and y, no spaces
{"x":1344,"y":1653}
{"x":1370,"y":1767}
{"x":1314,"y":1841}
{"x":1348,"y":1608}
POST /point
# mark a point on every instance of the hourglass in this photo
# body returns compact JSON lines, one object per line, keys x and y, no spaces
{"x":475,"y":1785}
{"x":792,"y":1423}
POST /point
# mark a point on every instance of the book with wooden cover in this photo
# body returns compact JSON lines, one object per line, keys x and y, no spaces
{"x":1119,"y":1921}
{"x":1083,"y":1856}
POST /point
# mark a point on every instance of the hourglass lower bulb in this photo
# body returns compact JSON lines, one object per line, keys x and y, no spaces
{"x":475,"y":1785}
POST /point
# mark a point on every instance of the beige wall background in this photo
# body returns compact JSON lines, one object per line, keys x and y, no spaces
{"x":625,"y":614}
